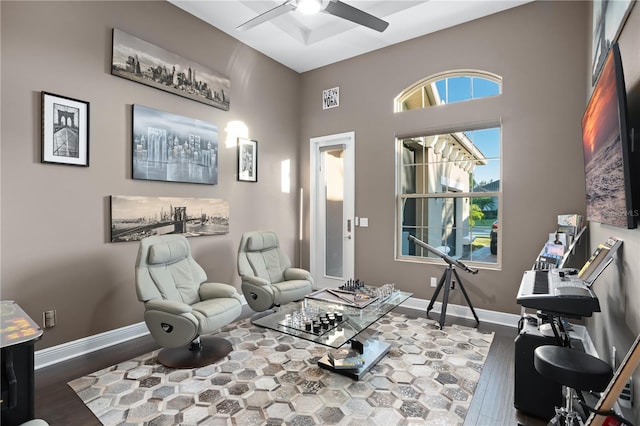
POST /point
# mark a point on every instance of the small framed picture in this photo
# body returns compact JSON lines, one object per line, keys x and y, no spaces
{"x":65,"y":130}
{"x":247,"y":160}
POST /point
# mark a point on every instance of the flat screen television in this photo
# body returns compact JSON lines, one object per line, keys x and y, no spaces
{"x":608,"y":157}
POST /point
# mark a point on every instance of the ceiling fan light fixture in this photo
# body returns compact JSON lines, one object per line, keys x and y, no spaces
{"x":309,"y":7}
{"x":331,"y":7}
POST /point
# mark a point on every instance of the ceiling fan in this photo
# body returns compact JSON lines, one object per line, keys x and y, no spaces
{"x":332,"y":7}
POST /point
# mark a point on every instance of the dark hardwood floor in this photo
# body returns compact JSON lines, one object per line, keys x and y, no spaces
{"x":492,"y":404}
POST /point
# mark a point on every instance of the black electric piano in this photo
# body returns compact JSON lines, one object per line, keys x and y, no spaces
{"x":554,"y":293}
{"x":558,"y":292}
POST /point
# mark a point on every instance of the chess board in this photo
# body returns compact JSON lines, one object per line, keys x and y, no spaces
{"x":343,"y":297}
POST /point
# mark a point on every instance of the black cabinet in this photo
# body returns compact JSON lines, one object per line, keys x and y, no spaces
{"x":533,"y":394}
{"x":18,"y":336}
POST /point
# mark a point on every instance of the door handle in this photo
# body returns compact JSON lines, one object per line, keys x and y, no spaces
{"x":348,"y":225}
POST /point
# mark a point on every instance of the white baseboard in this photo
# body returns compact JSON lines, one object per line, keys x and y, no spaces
{"x":55,"y":354}
{"x":484,"y":315}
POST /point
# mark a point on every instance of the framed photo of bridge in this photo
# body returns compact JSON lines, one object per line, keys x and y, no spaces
{"x":136,"y":217}
{"x":65,"y":130}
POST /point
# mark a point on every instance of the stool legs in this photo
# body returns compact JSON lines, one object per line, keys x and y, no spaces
{"x":567,"y":415}
{"x":577,"y":371}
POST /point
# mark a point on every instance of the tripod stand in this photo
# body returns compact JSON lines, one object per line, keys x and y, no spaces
{"x":448,"y":284}
{"x":446,"y":281}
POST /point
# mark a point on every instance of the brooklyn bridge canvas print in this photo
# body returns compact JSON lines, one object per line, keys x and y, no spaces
{"x":136,"y":217}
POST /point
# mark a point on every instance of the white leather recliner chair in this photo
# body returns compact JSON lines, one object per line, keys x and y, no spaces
{"x":268,"y":279}
{"x":180,"y":306}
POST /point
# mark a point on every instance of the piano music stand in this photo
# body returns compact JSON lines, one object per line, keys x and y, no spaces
{"x":446,"y":281}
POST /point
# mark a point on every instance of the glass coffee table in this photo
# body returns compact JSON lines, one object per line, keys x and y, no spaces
{"x":333,"y":321}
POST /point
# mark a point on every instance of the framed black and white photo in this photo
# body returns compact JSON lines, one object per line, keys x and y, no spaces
{"x":65,"y":130}
{"x":247,"y":160}
{"x":173,"y":148}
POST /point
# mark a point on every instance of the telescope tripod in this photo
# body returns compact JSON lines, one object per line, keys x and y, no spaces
{"x":448,"y":284}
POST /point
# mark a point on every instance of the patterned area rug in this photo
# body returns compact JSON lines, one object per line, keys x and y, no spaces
{"x":428,"y":377}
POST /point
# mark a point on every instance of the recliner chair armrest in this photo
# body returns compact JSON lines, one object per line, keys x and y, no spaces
{"x":168,"y":306}
{"x":297,"y":274}
{"x":255,"y":280}
{"x":218,"y":290}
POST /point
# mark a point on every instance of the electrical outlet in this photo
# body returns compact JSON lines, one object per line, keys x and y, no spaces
{"x":49,"y":319}
{"x":434,"y":283}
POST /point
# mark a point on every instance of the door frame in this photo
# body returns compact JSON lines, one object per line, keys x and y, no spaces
{"x":347,"y":141}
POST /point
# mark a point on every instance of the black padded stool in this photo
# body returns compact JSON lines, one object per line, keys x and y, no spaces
{"x":576,"y":370}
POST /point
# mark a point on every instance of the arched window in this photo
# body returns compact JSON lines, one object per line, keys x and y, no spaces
{"x":447,"y":88}
{"x":449,"y":186}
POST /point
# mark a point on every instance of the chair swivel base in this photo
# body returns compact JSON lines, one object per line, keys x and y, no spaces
{"x":212,"y":350}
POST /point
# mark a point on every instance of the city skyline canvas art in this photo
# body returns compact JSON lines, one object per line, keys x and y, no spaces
{"x":173,"y":148}
{"x":140,"y":61}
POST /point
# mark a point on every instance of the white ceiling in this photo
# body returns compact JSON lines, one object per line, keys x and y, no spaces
{"x":303,"y":42}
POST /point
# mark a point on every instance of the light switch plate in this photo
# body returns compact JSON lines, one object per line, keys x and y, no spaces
{"x":364,"y":222}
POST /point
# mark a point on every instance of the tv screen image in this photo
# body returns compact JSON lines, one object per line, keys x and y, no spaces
{"x":606,"y":148}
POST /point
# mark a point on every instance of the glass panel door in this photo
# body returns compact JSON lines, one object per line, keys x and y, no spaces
{"x":333,"y":176}
{"x":332,"y":206}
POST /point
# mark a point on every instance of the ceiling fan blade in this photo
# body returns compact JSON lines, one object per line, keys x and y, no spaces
{"x":268,"y":15}
{"x":350,"y":13}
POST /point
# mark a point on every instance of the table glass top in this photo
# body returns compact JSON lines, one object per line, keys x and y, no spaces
{"x":16,"y":327}
{"x":341,"y":322}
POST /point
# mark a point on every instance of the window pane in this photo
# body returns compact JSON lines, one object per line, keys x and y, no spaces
{"x":441,"y":85}
{"x":447,"y":176}
{"x":441,"y":212}
{"x":412,"y":180}
{"x":482,"y":238}
{"x":436,"y":238}
{"x":483,"y":88}
{"x":412,"y":209}
{"x":484,"y":212}
{"x":413,"y":150}
{"x":486,"y":177}
{"x":412,"y":100}
{"x":487,"y":141}
{"x":459,"y":89}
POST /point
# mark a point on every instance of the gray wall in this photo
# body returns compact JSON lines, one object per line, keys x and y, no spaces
{"x":540,"y":108}
{"x":55,"y":246}
{"x":618,"y":289}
